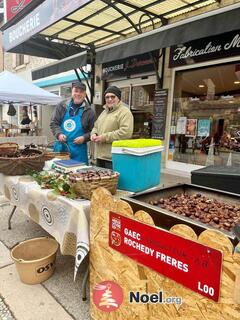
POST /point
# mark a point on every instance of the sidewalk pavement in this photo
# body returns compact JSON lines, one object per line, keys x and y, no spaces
{"x":58,"y":298}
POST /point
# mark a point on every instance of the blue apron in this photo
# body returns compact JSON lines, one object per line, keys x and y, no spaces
{"x":71,"y":127}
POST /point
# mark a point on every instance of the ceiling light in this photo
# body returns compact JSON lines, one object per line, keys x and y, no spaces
{"x":201,"y":86}
{"x":236,"y":82}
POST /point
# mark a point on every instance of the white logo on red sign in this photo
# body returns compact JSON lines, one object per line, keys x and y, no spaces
{"x":19,"y":5}
{"x":115,"y":238}
{"x":116,"y":224}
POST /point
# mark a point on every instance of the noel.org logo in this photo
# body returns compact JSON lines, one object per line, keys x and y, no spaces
{"x":107,"y":296}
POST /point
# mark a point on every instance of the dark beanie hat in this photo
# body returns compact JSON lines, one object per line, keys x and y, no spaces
{"x":115,"y":90}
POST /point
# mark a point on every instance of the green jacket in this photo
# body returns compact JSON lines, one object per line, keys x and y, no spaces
{"x":115,"y":124}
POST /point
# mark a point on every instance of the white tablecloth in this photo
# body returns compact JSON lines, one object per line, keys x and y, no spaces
{"x":65,"y":219}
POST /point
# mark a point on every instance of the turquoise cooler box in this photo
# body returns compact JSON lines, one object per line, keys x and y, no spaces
{"x":139,"y":168}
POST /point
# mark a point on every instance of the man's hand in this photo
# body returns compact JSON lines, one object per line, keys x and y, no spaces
{"x":93,"y":137}
{"x":62,"y":137}
{"x":79,"y":140}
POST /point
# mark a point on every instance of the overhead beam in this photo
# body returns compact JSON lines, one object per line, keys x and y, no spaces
{"x":82,"y":24}
{"x":120,"y":18}
{"x":95,"y":27}
{"x":184,"y":7}
{"x":103,"y":38}
{"x":133,"y":6}
{"x":125,"y":16}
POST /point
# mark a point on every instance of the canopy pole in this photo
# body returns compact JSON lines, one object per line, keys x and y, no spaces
{"x":90,"y":60}
{"x":30,"y":106}
{"x":92,"y":75}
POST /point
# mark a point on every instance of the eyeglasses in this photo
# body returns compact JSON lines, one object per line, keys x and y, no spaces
{"x":110,"y":97}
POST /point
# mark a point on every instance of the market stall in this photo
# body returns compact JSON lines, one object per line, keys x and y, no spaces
{"x":167,"y":265}
{"x":57,"y":199}
{"x":26,"y":93}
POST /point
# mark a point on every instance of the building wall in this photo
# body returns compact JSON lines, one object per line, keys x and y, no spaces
{"x":1,"y":53}
{"x":30,"y":63}
{"x":167,"y":84}
{"x":1,"y":23}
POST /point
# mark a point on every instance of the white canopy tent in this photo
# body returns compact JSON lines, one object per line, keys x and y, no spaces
{"x":16,"y":90}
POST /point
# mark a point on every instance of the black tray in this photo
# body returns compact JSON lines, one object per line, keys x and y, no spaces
{"x":166,"y":219}
{"x":222,"y":177}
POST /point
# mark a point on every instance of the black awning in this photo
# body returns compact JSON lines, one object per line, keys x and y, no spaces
{"x":40,"y":47}
{"x":66,"y":64}
{"x":216,"y":22}
{"x":171,"y":35}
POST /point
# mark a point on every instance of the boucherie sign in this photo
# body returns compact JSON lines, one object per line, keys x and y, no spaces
{"x":210,"y":48}
{"x":44,"y":15}
{"x":192,"y":264}
{"x":129,"y":66}
{"x":13,"y":7}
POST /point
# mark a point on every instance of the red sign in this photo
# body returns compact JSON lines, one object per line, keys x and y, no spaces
{"x":13,"y":7}
{"x":194,"y":265}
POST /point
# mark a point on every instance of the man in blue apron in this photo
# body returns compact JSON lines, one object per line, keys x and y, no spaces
{"x":72,"y":123}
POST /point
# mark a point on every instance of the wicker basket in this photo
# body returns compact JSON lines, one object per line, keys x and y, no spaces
{"x":8,"y":148}
{"x":84,"y":188}
{"x":49,"y":155}
{"x":19,"y":166}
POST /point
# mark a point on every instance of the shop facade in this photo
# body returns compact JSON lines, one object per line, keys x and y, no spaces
{"x":203,"y":126}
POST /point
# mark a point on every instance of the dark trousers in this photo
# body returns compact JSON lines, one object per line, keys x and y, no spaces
{"x":107,"y":164}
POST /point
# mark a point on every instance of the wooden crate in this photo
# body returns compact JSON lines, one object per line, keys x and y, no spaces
{"x":108,"y":264}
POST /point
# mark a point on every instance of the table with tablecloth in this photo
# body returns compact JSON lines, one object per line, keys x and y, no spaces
{"x":65,"y":219}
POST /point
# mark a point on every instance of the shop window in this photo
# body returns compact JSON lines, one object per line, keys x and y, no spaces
{"x":205,"y":123}
{"x":19,"y":59}
{"x":142,"y":97}
{"x":125,"y":96}
{"x":142,"y":109}
{"x":140,"y":100}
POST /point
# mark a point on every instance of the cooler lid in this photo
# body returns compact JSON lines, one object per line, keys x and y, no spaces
{"x":219,"y":170}
{"x":137,"y":151}
{"x":137,"y":143}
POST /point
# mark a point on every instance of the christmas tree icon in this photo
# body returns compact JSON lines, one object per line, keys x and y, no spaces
{"x":106,"y":299}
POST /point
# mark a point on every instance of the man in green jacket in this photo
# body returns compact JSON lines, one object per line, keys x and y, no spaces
{"x":114,"y":123}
